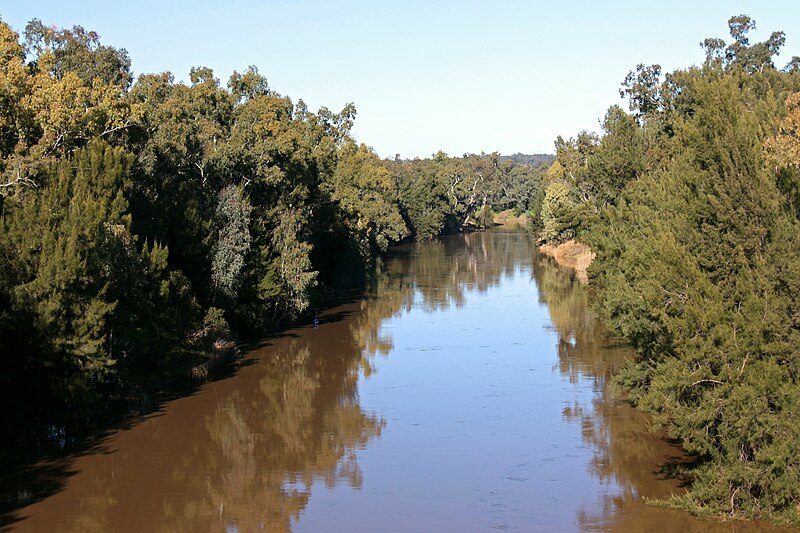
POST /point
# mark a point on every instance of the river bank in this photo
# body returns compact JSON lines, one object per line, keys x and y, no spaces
{"x":510,"y":220}
{"x":467,"y":390}
{"x":571,"y":254}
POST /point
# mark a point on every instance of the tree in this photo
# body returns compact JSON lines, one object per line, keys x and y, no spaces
{"x":693,"y":267}
{"x":643,"y":91}
{"x":58,"y":51}
{"x":557,"y":213}
{"x":249,"y":85}
{"x":424,"y":202}
{"x":740,"y":53}
{"x":72,"y":91}
{"x":363,"y":188}
{"x":294,"y":265}
{"x":67,"y":238}
{"x":233,"y":222}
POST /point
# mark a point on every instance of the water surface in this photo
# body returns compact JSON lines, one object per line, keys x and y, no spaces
{"x":466,"y":392}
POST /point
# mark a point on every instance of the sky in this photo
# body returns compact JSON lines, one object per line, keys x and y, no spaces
{"x":458,"y":76}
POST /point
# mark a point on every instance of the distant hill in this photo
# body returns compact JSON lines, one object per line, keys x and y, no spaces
{"x":534,"y":160}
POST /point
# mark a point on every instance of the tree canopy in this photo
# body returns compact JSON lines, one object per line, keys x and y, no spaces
{"x":142,"y":217}
{"x":690,"y":203}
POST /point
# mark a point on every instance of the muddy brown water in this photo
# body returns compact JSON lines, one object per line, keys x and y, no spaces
{"x":466,"y":392}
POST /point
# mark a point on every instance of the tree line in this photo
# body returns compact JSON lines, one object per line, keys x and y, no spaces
{"x":145,"y":218}
{"x":691,"y":201}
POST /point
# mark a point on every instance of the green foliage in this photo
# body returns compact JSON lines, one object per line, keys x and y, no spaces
{"x":214,"y":328}
{"x":557,"y":213}
{"x":73,"y":90}
{"x":233,"y":220}
{"x":142,"y":221}
{"x":292,"y":267}
{"x":368,"y":198}
{"x":79,"y":51}
{"x":66,"y":241}
{"x":446,"y":194}
{"x":740,"y":53}
{"x":111,"y":254}
{"x":249,"y":85}
{"x":643,"y":90}
{"x":690,"y":206}
{"x":619,"y":159}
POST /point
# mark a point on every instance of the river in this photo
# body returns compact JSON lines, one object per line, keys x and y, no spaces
{"x":467,"y":391}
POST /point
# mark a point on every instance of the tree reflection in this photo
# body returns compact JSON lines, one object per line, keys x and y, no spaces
{"x":585,"y":350}
{"x":302,"y":424}
{"x":243,"y":455}
{"x":627,"y":454}
{"x":436,"y":275}
{"x":265,"y":446}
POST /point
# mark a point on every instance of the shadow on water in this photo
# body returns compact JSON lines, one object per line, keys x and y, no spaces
{"x":252,"y":441}
{"x":23,"y":485}
{"x":38,"y":462}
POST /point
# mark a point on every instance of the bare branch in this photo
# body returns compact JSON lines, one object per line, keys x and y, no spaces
{"x":706,"y":381}
{"x":18,"y":180}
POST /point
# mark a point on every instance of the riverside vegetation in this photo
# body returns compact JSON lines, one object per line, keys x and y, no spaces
{"x":143,"y":221}
{"x":691,"y":203}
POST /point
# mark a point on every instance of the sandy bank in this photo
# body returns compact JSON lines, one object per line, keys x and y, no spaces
{"x":571,"y":254}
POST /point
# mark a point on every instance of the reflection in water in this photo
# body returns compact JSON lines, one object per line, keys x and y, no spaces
{"x":627,"y":453}
{"x":448,"y":399}
{"x":270,"y":447}
{"x":433,"y":276}
{"x":443,"y":271}
{"x":240,"y":456}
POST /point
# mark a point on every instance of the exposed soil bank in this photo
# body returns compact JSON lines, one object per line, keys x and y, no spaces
{"x":571,"y":254}
{"x":507,"y":218}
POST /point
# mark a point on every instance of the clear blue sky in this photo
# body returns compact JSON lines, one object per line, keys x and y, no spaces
{"x":460,"y":76}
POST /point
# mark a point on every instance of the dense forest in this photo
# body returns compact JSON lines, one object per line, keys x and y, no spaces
{"x":144,"y":220}
{"x":691,"y":202}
